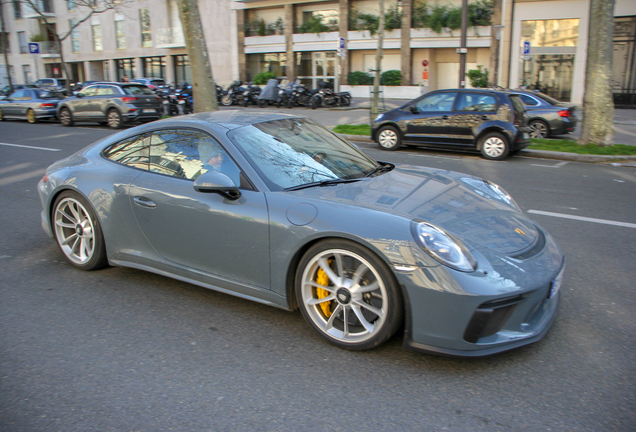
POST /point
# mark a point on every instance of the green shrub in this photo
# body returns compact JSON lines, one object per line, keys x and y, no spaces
{"x":263,"y":77}
{"x":440,"y":16}
{"x":478,"y":78}
{"x":314,"y":25}
{"x":359,"y":78}
{"x":393,"y":18}
{"x":391,"y":78}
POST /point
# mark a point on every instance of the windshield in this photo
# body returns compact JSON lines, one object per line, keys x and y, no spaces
{"x":137,"y":90}
{"x":293,"y":152}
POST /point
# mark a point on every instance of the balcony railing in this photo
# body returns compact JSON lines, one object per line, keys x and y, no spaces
{"x":43,"y":6}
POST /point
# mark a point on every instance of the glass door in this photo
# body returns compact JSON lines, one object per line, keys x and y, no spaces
{"x":324,"y":68}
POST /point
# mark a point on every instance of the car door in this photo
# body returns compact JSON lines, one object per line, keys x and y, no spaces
{"x":24,"y":102}
{"x":81,"y":104}
{"x":427,"y":118}
{"x":471,"y":110}
{"x":9,"y":106}
{"x":202,"y":231}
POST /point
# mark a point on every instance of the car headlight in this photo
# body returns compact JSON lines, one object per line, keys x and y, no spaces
{"x":443,"y":247}
{"x":378,"y":118}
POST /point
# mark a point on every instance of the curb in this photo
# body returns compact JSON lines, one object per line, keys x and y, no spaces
{"x":543,"y":154}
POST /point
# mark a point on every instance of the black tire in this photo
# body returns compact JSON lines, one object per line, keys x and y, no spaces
{"x":345,"y":101}
{"x":244,"y":103}
{"x":114,"y":119}
{"x":66,"y":118}
{"x":539,"y":129}
{"x":262,"y":103}
{"x":2,"y":118}
{"x":313,"y":103}
{"x":30,"y":115}
{"x":226,"y":100}
{"x":353,"y":318}
{"x":389,"y":138}
{"x":78,"y":232}
{"x":494,"y":146}
{"x":290,"y":103}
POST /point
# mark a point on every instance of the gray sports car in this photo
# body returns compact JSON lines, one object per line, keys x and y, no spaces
{"x":277,"y":209}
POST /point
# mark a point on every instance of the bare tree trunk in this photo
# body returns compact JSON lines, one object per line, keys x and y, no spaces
{"x":64,"y":65}
{"x":598,"y":107}
{"x":378,"y":62}
{"x":4,"y":44}
{"x":203,"y":88}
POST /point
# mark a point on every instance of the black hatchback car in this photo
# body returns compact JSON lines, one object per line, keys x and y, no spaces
{"x":490,"y":121}
{"x":111,"y":103}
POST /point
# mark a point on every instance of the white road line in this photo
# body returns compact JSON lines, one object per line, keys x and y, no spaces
{"x":30,"y":147}
{"x":581,"y":218}
{"x":559,"y":165}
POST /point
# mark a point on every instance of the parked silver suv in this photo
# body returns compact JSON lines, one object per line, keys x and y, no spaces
{"x":111,"y":103}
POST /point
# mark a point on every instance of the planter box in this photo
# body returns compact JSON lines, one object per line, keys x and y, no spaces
{"x":388,"y":92}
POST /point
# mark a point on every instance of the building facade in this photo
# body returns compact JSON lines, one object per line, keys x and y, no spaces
{"x":536,"y":44}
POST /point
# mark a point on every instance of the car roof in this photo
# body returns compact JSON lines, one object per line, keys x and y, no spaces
{"x":229,"y":119}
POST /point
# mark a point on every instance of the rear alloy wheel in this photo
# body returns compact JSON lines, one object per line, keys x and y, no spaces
{"x":389,"y":138}
{"x":348,"y":294}
{"x":65,"y":117}
{"x":114,"y":119}
{"x":31,"y":118}
{"x":78,"y":232}
{"x":494,"y":146}
{"x":539,"y":129}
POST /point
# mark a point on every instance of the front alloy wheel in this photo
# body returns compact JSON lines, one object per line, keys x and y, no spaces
{"x":31,"y":118}
{"x":348,"y":295}
{"x":78,"y":232}
{"x":389,"y":138}
{"x":538,"y":129}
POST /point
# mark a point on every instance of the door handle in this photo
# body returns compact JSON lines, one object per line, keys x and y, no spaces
{"x":484,"y":117}
{"x":144,"y":202}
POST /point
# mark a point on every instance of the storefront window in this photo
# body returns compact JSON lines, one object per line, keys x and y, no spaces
{"x":272,"y":62}
{"x":125,"y":67}
{"x":182,"y":72}
{"x":154,"y":67}
{"x":549,"y":65}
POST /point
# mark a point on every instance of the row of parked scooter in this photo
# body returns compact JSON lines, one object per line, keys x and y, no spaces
{"x":287,"y":94}
{"x":281,"y":94}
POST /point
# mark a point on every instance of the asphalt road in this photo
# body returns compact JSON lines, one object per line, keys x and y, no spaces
{"x":124,"y":350}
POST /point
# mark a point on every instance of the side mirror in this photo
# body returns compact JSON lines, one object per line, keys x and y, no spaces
{"x":217,"y":182}
{"x":414,"y":109}
{"x":80,"y":94}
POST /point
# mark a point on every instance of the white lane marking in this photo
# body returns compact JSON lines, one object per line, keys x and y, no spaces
{"x":17,"y":167}
{"x":20,"y":177}
{"x":619,"y":181}
{"x":30,"y":147}
{"x":581,"y":218}
{"x":559,"y":165}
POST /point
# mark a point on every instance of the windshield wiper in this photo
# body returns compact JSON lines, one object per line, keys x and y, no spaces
{"x":384,"y":167}
{"x":328,"y":182}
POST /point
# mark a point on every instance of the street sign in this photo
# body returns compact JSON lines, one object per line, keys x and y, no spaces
{"x":526,"y":48}
{"x":341,"y":44}
{"x":342,"y":52}
{"x":34,"y":48}
{"x":424,"y":63}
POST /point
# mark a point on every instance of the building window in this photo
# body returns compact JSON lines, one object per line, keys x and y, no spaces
{"x":70,"y":5}
{"x":26,"y":71}
{"x":17,"y":9}
{"x":75,"y":43}
{"x":154,"y":67}
{"x":120,"y":35}
{"x":319,"y":21}
{"x":97,"y":37}
{"x":182,"y":69}
{"x":125,"y":67}
{"x":271,"y":62}
{"x":144,"y":22}
{"x":4,"y":43}
{"x":23,"y":42}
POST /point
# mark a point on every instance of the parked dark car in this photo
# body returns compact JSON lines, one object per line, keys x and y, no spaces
{"x":111,"y":103}
{"x":492,"y":122}
{"x":152,"y":83}
{"x":546,"y":115}
{"x":32,"y":104}
{"x":6,"y":90}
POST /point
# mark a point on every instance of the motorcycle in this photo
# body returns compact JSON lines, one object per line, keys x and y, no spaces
{"x":268,"y":94}
{"x":300,"y":96}
{"x":250,"y":95}
{"x":327,"y":97}
{"x":169,"y":101}
{"x":234,"y":94}
{"x":184,"y":99}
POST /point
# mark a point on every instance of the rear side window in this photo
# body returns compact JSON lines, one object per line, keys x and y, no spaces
{"x":436,"y":102}
{"x":528,"y":100}
{"x":476,"y":102}
{"x":137,"y":90}
{"x":133,"y":152}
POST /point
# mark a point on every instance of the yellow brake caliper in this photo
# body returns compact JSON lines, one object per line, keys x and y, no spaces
{"x":323,"y":279}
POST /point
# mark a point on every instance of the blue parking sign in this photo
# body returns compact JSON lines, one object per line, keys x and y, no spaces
{"x":34,"y":48}
{"x":526,"y":48}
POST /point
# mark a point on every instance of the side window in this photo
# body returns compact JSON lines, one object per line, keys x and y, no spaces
{"x":105,"y":91}
{"x":17,"y":94}
{"x":89,"y":91}
{"x":132,"y":152}
{"x":436,"y":102}
{"x":476,"y":102}
{"x":187,"y":154}
{"x":527,"y":100}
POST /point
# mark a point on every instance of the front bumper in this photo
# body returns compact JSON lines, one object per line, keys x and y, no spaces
{"x":481,"y":313}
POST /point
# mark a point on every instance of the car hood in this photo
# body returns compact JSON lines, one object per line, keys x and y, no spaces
{"x":473,"y":209}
